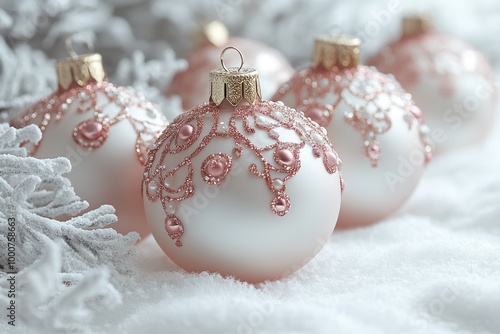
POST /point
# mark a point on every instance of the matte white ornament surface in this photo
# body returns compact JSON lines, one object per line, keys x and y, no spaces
{"x":375,"y":128}
{"x":450,"y":80}
{"x":105,"y":132}
{"x":252,"y":200}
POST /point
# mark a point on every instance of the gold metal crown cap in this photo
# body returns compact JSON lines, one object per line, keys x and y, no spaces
{"x":416,"y":24}
{"x":234,"y":83}
{"x":80,"y":70}
{"x":341,"y":51}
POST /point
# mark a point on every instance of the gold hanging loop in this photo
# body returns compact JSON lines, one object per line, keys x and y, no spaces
{"x":68,"y":42}
{"x":222,"y":58}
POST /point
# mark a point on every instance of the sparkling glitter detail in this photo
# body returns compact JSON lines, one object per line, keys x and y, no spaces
{"x":281,"y":205}
{"x":174,"y":229}
{"x":91,"y":139}
{"x":240,"y":124}
{"x":321,"y":113}
{"x":108,"y":105}
{"x":442,"y":57}
{"x":369,"y":96}
{"x":215,"y":168}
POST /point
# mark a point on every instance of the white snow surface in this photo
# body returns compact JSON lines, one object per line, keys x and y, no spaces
{"x":433,"y":267}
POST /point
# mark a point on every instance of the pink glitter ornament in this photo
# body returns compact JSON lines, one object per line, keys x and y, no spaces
{"x":371,"y":121}
{"x":104,"y":130}
{"x":251,"y":192}
{"x":450,"y":80}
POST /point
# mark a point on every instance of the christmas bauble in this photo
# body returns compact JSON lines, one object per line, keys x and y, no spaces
{"x":450,"y":80}
{"x":105,"y":132}
{"x":373,"y":124}
{"x":240,"y":186}
{"x":191,"y":84}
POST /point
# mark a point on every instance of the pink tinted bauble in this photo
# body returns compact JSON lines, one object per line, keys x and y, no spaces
{"x":251,"y":190}
{"x":192,"y":84}
{"x":373,"y":124}
{"x":105,"y":132}
{"x":450,"y":80}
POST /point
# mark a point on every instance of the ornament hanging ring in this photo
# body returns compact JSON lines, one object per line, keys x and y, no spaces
{"x":222,"y":58}
{"x":68,"y":42}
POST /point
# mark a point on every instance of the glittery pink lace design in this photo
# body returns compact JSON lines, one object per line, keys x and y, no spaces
{"x":369,"y":96}
{"x":443,"y":57}
{"x":184,"y":134}
{"x":108,"y":105}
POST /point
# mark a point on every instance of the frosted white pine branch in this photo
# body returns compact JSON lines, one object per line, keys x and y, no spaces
{"x":36,"y":194}
{"x":47,"y":303}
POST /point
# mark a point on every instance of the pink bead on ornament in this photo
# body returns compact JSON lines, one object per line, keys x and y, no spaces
{"x":186,"y":132}
{"x":285,"y":157}
{"x":315,"y":114}
{"x":174,"y":229}
{"x":280,"y":206}
{"x":91,"y":134}
{"x":332,"y":160}
{"x":215,"y":168}
{"x":92,"y":130}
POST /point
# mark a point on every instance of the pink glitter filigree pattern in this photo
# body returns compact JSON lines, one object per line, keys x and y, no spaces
{"x":184,"y":134}
{"x":369,"y":96}
{"x":443,"y":57}
{"x":108,"y":105}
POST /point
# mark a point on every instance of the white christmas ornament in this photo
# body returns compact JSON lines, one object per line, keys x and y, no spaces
{"x":104,"y":130}
{"x":240,"y":186}
{"x":450,"y":80}
{"x":373,"y":124}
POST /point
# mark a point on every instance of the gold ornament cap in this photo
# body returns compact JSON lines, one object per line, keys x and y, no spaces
{"x":342,"y":51}
{"x":416,"y":24}
{"x":234,"y":84}
{"x":213,"y":33}
{"x":79,"y":70}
